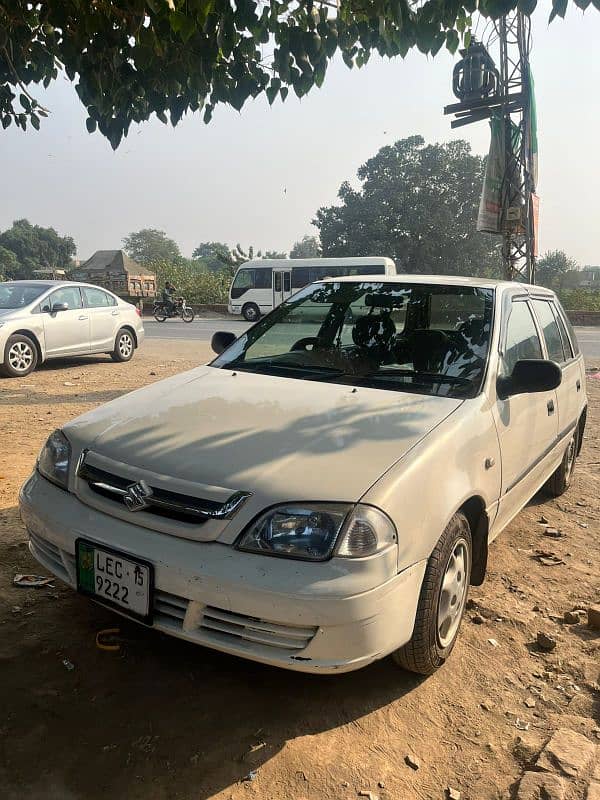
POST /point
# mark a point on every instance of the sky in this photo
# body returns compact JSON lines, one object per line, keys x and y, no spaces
{"x":257,"y":177}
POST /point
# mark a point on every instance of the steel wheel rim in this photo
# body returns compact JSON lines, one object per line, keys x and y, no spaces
{"x":570,"y":455}
{"x":251,"y":314}
{"x":453,"y":593}
{"x":20,"y":356}
{"x":125,"y":345}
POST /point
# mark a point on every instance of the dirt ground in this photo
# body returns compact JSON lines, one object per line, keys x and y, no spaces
{"x":162,"y":719}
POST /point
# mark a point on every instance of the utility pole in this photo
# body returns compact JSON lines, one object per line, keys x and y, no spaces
{"x":505,"y":96}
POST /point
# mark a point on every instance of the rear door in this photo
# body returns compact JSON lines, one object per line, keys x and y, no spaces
{"x":527,"y":424}
{"x":66,"y":332}
{"x":104,"y":316}
{"x":560,"y":350}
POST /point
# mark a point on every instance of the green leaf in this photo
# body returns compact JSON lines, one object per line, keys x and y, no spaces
{"x":208,"y":112}
{"x":283,"y":92}
{"x":25,"y":102}
{"x":527,"y":6}
{"x":6,"y":120}
{"x":583,"y":4}
{"x":452,"y":41}
{"x":35,"y":121}
{"x":90,"y":124}
{"x":467,"y":39}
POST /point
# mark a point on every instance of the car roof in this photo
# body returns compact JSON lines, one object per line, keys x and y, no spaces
{"x":54,"y":284}
{"x":447,"y":280}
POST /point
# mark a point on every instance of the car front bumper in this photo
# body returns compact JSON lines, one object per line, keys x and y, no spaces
{"x":213,"y":595}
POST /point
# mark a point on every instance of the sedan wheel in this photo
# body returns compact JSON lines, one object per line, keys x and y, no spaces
{"x":20,"y":356}
{"x":442,"y":600}
{"x":560,"y":481}
{"x":124,"y":346}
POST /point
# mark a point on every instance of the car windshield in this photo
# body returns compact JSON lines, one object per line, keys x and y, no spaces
{"x":424,"y":338}
{"x":18,"y":295}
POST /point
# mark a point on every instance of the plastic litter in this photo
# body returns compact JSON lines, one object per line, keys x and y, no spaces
{"x":107,"y":640}
{"x":68,"y":664}
{"x":34,"y":581}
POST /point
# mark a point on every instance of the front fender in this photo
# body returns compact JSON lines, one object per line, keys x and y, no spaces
{"x":457,"y":461}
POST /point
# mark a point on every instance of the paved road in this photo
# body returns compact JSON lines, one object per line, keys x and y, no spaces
{"x":203,"y":329}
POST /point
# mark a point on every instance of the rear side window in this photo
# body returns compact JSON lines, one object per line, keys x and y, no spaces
{"x":567,"y":322}
{"x":550,"y":329}
{"x":96,"y":298}
{"x":522,"y":340}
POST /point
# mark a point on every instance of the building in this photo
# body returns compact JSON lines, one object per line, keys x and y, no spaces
{"x":114,"y":270}
{"x":590,"y":278}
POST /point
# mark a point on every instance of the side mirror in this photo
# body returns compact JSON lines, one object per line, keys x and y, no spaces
{"x":59,"y":307}
{"x":221,"y":341}
{"x":530,"y":375}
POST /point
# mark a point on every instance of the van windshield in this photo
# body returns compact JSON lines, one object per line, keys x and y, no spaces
{"x":424,"y":338}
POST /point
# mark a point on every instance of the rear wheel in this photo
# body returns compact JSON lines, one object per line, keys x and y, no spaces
{"x":160,"y":315}
{"x":20,"y":356}
{"x":187,"y":315}
{"x":560,"y":480}
{"x":124,"y":346}
{"x":251,"y":312}
{"x":442,"y":600}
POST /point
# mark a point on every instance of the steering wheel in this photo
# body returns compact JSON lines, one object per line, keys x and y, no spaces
{"x":303,"y":344}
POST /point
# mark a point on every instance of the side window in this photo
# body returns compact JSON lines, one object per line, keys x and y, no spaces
{"x":551,"y":332}
{"x":263,"y":278}
{"x":69,"y":295}
{"x":567,"y":346}
{"x":300,"y":277}
{"x":286,"y":282}
{"x":522,"y":340}
{"x":567,"y":322}
{"x":277,"y":281}
{"x":96,"y":298}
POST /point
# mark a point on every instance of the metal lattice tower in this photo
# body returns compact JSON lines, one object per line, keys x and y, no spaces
{"x":510,"y":100}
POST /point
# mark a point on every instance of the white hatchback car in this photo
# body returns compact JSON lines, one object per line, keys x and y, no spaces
{"x":323,"y":493}
{"x":55,"y":319}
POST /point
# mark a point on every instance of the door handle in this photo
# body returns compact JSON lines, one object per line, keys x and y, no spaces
{"x":550,"y":407}
{"x":578,"y":384}
{"x":115,"y":313}
{"x":82,"y":317}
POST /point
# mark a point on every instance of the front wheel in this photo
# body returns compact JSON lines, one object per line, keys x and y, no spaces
{"x":187,"y":314}
{"x":251,"y":312}
{"x":124,"y":346}
{"x":20,"y":356}
{"x":442,"y":600}
{"x":560,"y":480}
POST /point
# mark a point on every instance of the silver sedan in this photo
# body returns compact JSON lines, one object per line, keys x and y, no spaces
{"x":40,"y":320}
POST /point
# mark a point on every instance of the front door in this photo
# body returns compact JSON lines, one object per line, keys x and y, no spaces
{"x":527,"y":424}
{"x":66,"y":332}
{"x":282,"y":285}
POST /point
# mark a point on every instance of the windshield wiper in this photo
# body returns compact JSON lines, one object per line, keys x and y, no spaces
{"x":267,"y":366}
{"x":430,"y":377}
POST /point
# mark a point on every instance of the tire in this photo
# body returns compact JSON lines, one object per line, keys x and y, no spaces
{"x":251,"y":312}
{"x":560,"y":480}
{"x":20,"y":356}
{"x":438,"y":620}
{"x":160,"y":316}
{"x":187,"y":315}
{"x":124,"y":346}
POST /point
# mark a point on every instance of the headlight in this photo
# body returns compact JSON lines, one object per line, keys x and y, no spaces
{"x":296,"y":531}
{"x":311,"y":533}
{"x":53,"y":461}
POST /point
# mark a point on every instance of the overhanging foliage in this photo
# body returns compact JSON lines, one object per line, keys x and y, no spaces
{"x":132,"y":58}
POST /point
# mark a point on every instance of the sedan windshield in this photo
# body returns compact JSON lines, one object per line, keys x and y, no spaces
{"x":424,"y":338}
{"x":18,"y":295}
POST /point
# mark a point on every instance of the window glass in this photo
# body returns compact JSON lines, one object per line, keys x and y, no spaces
{"x":373,"y":334}
{"x":551,"y":332}
{"x":277,"y":281}
{"x":96,"y":298}
{"x":567,"y":347}
{"x":565,"y":319}
{"x":69,"y":295}
{"x":522,"y":340}
{"x":450,"y":310}
{"x":300,"y":277}
{"x":286,"y":282}
{"x":243,"y":281}
{"x":18,"y":295}
{"x":263,"y":278}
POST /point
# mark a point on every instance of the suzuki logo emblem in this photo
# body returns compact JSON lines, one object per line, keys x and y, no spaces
{"x":137,"y":497}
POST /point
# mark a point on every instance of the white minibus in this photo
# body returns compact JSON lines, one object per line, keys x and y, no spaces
{"x":262,"y":284}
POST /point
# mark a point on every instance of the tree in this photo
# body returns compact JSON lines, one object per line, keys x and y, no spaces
{"x":34,"y":248}
{"x":8,"y":264}
{"x":307,"y":247}
{"x":208,"y":253}
{"x":553,"y":268}
{"x":149,"y":245}
{"x":274,"y":254}
{"x":416,"y":204}
{"x":130,"y":59}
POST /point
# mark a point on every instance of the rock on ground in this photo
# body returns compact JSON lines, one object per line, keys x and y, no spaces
{"x":567,"y":752}
{"x":541,"y":786}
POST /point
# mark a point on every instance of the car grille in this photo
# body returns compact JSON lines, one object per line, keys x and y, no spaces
{"x":169,"y":609}
{"x":156,"y":500}
{"x":235,"y":627}
{"x":62,"y":564}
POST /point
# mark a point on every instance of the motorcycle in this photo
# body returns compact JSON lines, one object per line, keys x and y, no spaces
{"x":180,"y":308}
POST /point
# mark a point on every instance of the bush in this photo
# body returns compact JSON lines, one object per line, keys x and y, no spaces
{"x":580,"y":299}
{"x":192,"y":281}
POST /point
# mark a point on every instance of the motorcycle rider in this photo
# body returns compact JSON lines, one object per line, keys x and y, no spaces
{"x":167,"y":295}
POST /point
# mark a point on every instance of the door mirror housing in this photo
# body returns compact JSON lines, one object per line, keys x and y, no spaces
{"x":221,"y":340}
{"x":56,"y":307}
{"x":530,"y":375}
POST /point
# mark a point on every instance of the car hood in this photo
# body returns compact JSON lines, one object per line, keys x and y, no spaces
{"x":279,"y":438}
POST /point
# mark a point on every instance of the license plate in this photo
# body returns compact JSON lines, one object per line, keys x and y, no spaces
{"x":114,"y":579}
